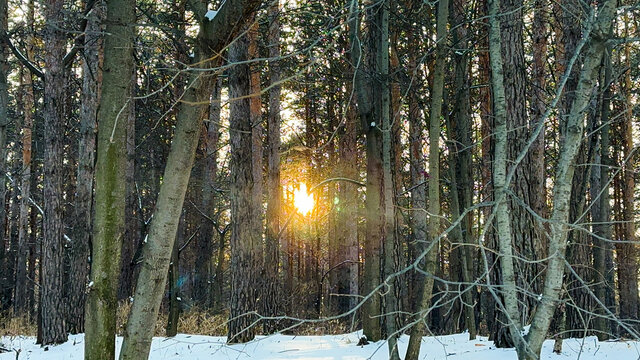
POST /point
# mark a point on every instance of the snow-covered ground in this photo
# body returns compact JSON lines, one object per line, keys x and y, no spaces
{"x":329,"y":347}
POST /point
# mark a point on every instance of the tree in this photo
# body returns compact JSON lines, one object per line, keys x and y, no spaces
{"x":92,"y":77}
{"x":5,"y":297}
{"x":213,"y":36}
{"x":433,"y":226}
{"x":246,"y":247}
{"x":110,"y":181}
{"x":600,"y":31}
{"x":270,"y":298}
{"x":52,"y":305}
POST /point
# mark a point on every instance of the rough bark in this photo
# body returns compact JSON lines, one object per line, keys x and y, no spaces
{"x":627,"y":251}
{"x":52,"y":305}
{"x":274,"y":189}
{"x":501,"y":209}
{"x":21,"y":299}
{"x":371,"y":322}
{"x":462,"y":190}
{"x":91,"y":82}
{"x":245,"y":232}
{"x":205,"y":280}
{"x":601,"y":209}
{"x":418,"y":184}
{"x":5,"y":277}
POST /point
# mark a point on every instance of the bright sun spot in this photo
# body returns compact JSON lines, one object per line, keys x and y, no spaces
{"x":302,"y":200}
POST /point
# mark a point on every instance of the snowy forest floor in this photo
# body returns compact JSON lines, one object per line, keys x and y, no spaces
{"x":328,"y":347}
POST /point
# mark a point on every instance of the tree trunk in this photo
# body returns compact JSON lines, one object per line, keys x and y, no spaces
{"x":214,"y":35}
{"x":174,"y":277}
{"x":601,"y":209}
{"x":132,"y":231}
{"x":462,"y":164}
{"x":627,"y":251}
{"x":6,"y":277}
{"x":21,"y":299}
{"x":245,"y":230}
{"x":501,"y":208}
{"x":110,"y":190}
{"x":370,"y":117}
{"x":53,"y":307}
{"x":204,"y":283}
{"x":92,"y":78}
{"x":564,"y":176}
{"x":271,"y":286}
{"x":433,"y":226}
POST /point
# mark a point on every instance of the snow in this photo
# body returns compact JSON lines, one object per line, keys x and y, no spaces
{"x":328,"y":347}
{"x":210,"y":14}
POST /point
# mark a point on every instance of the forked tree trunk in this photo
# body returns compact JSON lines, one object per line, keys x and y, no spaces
{"x":564,"y":176}
{"x":110,"y":191}
{"x":91,"y":82}
{"x":213,"y":36}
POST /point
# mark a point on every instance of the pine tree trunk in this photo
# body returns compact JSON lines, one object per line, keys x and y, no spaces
{"x":245,"y":232}
{"x":51,"y":299}
{"x":204,"y":283}
{"x":110,"y":188}
{"x":601,"y":208}
{"x":21,"y":299}
{"x":92,"y":77}
{"x":173,"y":278}
{"x":501,"y":208}
{"x":271,"y":288}
{"x":627,"y":251}
{"x":462,"y":164}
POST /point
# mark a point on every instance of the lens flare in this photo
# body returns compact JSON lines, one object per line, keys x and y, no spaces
{"x":302,"y":200}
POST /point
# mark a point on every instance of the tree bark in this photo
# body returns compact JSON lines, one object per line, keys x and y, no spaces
{"x":213,"y":36}
{"x":564,"y":176}
{"x":627,"y":251}
{"x":246,"y":248}
{"x":21,"y":299}
{"x":110,"y":189}
{"x":462,"y":191}
{"x":271,"y":287}
{"x":51,"y":299}
{"x":92,"y":78}
{"x":433,"y":226}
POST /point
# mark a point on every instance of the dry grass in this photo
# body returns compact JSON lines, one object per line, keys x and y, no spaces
{"x":193,"y":321}
{"x":17,"y":325}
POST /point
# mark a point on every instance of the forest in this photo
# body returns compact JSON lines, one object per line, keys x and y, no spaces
{"x":403,"y":169}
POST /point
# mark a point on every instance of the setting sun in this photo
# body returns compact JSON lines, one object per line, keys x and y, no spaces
{"x":303,"y":200}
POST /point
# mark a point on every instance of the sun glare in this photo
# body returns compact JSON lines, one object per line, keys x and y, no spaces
{"x":303,"y":200}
